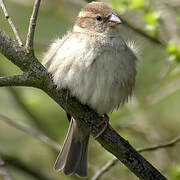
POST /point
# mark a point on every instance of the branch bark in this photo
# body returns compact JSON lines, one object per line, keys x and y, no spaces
{"x":110,"y":140}
{"x":19,"y":80}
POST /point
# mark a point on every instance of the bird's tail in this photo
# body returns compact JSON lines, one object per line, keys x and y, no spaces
{"x":73,"y":156}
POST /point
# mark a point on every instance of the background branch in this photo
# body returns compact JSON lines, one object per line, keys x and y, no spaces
{"x":4,"y":174}
{"x":32,"y":116}
{"x":29,"y":130}
{"x":170,"y":23}
{"x":22,"y":80}
{"x":141,"y":32}
{"x":11,"y":23}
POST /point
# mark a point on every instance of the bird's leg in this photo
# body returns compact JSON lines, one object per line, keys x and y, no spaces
{"x":68,"y":94}
{"x":68,"y":117}
{"x":104,"y":121}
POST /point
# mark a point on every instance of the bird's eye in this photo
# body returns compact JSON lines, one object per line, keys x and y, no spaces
{"x":99,"y":18}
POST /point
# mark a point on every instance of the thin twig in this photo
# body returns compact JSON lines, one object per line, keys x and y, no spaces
{"x":4,"y":174}
{"x":20,"y":58}
{"x":114,"y":161}
{"x":166,"y":144}
{"x":29,"y":130}
{"x":11,"y":23}
{"x":32,"y":26}
{"x":105,"y":169}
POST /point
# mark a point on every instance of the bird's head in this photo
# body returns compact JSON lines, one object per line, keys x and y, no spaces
{"x":97,"y":17}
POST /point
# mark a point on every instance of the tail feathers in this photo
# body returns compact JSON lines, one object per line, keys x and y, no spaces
{"x":73,"y":156}
{"x":61,"y":159}
{"x":82,"y":168}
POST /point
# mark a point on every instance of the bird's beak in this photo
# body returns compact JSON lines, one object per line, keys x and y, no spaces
{"x":114,"y":20}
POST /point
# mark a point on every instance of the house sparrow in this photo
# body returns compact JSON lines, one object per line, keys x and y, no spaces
{"x":97,"y":67}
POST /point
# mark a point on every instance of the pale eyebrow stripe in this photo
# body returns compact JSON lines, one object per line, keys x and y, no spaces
{"x":83,"y":14}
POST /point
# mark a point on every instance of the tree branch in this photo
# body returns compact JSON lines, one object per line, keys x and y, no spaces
{"x":110,"y":140}
{"x":29,"y":130}
{"x":11,"y":23}
{"x":4,"y":171}
{"x":32,"y":26}
{"x":113,"y":162}
{"x":19,"y":80}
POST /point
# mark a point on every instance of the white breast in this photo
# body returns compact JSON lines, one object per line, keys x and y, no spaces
{"x":98,"y":72}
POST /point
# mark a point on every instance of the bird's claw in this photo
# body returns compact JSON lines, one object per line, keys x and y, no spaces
{"x":106,"y":122}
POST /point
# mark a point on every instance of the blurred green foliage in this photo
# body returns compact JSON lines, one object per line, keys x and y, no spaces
{"x":173,"y":50}
{"x":151,"y":116}
{"x":175,"y":172}
{"x":124,"y":5}
{"x":178,"y":18}
{"x":151,"y":19}
{"x":149,"y":15}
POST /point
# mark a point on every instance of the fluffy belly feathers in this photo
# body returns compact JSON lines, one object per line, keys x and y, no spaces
{"x":103,"y":85}
{"x":101,"y":79}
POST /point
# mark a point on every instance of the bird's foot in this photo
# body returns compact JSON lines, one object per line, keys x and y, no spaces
{"x":105,"y":121}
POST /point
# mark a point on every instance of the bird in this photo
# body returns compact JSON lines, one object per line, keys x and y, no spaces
{"x":95,"y":64}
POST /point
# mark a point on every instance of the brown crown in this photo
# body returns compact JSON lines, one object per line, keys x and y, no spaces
{"x":98,"y":8}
